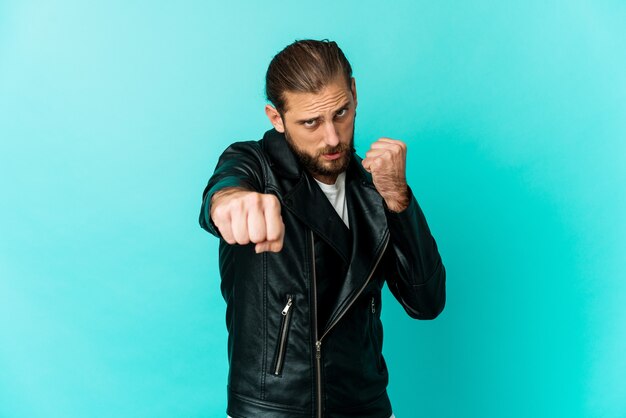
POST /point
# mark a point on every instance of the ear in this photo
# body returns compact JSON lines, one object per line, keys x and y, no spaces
{"x":275,"y":118}
{"x":353,"y":89}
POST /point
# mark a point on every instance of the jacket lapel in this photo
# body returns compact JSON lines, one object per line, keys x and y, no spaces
{"x":369,"y":233}
{"x":307,"y":202}
{"x":361,"y":245}
{"x":304,"y":198}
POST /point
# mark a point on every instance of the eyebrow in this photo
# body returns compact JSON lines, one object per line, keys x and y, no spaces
{"x":343,"y":106}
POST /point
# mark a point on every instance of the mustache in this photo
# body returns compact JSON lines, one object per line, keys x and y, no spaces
{"x":336,"y":149}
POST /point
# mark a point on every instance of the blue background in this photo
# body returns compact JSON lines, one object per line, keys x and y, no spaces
{"x":113,"y":114}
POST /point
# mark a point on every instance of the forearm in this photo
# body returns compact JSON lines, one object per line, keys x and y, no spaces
{"x":419,"y":279}
{"x":398,"y":201}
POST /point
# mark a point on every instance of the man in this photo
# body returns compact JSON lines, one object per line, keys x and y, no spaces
{"x":309,"y":234}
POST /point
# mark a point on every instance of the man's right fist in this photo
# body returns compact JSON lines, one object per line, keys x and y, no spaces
{"x":243,"y":217}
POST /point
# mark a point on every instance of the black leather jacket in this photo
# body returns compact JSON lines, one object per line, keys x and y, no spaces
{"x":305,"y":335}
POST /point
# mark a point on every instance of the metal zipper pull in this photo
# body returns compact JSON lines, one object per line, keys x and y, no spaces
{"x":373,"y":305}
{"x":282,"y":336}
{"x":287,"y":306}
{"x":318,"y":349}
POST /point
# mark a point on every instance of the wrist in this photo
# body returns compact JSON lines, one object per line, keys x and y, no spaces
{"x":399,"y":201}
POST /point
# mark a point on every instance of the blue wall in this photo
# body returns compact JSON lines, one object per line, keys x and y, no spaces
{"x":113,"y":114}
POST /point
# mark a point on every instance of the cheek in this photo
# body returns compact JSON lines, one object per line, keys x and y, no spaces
{"x":346,"y":129}
{"x":306,"y":140}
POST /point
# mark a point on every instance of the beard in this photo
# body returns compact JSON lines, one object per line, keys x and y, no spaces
{"x":316,"y":164}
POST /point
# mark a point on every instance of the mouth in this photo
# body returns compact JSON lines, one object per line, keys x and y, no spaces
{"x":334,"y":156}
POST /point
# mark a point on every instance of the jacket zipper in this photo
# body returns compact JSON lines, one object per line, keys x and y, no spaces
{"x":318,"y":343}
{"x":282,"y":338}
{"x":318,"y":340}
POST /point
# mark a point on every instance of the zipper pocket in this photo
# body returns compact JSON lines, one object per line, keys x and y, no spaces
{"x":378,"y":352}
{"x":282,"y":336}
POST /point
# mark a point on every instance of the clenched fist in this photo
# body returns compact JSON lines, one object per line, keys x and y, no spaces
{"x":386,"y":161}
{"x":243,"y":217}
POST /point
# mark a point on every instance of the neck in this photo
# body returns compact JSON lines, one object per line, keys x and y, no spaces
{"x":331,"y":179}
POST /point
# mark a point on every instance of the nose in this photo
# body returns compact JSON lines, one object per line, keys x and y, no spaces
{"x":330,"y":135}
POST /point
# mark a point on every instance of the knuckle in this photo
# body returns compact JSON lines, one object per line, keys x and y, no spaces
{"x":253,"y":200}
{"x":234,"y":206}
{"x":271,"y":202}
{"x":219,"y":213}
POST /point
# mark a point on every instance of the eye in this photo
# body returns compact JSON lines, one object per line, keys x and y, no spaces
{"x":309,"y":123}
{"x":342,"y":112}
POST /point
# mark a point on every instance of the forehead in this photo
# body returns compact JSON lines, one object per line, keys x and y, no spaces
{"x":332,"y":96}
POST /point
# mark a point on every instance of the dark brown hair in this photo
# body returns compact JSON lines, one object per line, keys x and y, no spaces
{"x":305,"y":66}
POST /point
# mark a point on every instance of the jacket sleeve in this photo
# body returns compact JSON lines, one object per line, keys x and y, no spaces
{"x":238,"y":166}
{"x":418,"y":278}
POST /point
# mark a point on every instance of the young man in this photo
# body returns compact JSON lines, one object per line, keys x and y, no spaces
{"x":309,"y":233}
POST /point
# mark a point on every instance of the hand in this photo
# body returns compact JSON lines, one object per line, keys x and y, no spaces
{"x":386,"y":161}
{"x":243,"y":216}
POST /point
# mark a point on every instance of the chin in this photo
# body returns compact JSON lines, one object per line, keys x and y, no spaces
{"x":333,"y":168}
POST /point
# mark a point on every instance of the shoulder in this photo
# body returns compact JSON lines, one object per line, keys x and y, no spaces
{"x":242,"y":151}
{"x":251,"y":147}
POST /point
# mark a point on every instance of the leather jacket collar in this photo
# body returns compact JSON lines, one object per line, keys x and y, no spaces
{"x":286,"y":163}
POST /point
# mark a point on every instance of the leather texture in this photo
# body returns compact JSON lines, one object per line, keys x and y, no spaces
{"x":332,"y":275}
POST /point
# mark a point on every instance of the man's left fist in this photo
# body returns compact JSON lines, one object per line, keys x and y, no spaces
{"x":386,"y":161}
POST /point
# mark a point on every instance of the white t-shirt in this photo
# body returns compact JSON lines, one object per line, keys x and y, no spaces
{"x":336,"y":194}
